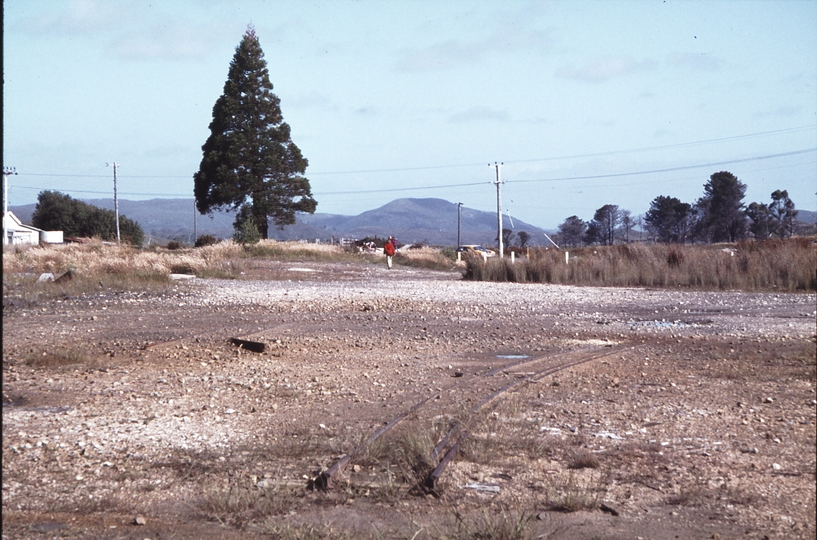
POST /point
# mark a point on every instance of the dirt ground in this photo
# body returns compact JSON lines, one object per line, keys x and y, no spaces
{"x":132,"y":415}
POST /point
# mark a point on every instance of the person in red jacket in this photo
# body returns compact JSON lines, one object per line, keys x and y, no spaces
{"x":388,"y":249}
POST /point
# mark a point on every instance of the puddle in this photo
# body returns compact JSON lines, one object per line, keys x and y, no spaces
{"x":512,"y":356}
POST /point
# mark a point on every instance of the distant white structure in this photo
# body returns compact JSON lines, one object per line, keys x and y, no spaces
{"x":18,"y":233}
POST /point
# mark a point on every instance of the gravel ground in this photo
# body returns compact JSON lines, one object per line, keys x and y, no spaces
{"x":697,"y":419}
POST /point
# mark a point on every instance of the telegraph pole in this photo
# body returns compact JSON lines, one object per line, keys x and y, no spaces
{"x":459,"y":207}
{"x":7,"y":171}
{"x":499,"y":206}
{"x":115,"y":201}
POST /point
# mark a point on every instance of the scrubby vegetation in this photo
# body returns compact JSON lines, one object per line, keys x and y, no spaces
{"x":782,"y":265}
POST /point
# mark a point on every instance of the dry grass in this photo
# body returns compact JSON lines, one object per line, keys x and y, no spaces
{"x":100,"y":259}
{"x":238,"y":504}
{"x":502,"y":524}
{"x":583,"y":459}
{"x":778,"y":265}
{"x":425,"y":257}
{"x":101,"y":265}
{"x":577,"y":493}
{"x":285,"y":531}
{"x":63,"y":356}
{"x":98,"y":265}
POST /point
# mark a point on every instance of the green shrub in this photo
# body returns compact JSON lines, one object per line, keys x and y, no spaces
{"x":56,"y":211}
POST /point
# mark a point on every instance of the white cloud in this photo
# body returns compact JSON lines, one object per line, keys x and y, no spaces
{"x":479,"y":114}
{"x":786,"y":111}
{"x":507,"y":38}
{"x":697,"y":62}
{"x":131,"y":31}
{"x":605,"y":69}
{"x":168,"y":42}
{"x":79,"y":17}
{"x":438,"y":57}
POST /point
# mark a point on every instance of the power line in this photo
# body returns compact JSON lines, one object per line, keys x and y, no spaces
{"x":458,"y":165}
{"x":463,"y":184}
{"x":669,"y":169}
{"x":667,"y":146}
{"x":362,"y":191}
{"x":35,"y":188}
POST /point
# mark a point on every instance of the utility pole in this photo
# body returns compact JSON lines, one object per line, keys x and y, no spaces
{"x":195,"y":236}
{"x":499,"y":207}
{"x":7,"y":171}
{"x":115,"y":201}
{"x":459,"y":207}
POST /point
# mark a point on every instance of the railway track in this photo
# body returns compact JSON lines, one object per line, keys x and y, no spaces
{"x":482,"y":388}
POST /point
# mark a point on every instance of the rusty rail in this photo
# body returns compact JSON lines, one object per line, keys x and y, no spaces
{"x":328,"y":478}
{"x":430,"y":483}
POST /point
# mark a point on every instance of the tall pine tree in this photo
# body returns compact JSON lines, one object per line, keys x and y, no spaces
{"x":721,"y":209}
{"x":250,"y":161}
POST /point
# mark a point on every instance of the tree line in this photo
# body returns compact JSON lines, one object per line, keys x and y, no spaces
{"x":56,"y":211}
{"x":720,"y":215}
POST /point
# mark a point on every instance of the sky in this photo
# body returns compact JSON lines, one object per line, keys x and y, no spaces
{"x":582,"y":103}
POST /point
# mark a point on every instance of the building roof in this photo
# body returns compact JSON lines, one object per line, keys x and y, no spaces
{"x":17,"y":224}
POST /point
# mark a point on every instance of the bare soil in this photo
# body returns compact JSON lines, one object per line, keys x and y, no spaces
{"x":132,"y":415}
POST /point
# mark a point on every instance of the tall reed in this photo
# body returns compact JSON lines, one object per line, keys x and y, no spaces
{"x":780,"y":265}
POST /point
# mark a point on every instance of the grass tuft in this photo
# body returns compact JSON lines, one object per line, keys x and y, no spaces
{"x":577,"y":494}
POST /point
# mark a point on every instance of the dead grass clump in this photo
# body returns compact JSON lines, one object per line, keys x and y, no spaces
{"x":494,"y":269}
{"x":583,"y":460}
{"x":296,"y":251}
{"x":285,"y":531}
{"x":424,"y":257}
{"x":502,"y":524}
{"x":486,"y":440}
{"x":576,"y":494}
{"x":405,"y":450}
{"x":57,"y":358}
{"x":238,"y":504}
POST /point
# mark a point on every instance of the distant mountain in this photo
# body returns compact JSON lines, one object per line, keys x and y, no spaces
{"x":427,"y":221}
{"x":806,"y":216}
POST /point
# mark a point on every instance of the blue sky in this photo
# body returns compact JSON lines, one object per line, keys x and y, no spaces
{"x":585,"y":103}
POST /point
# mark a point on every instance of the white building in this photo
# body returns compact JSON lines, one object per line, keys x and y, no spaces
{"x":18,"y":233}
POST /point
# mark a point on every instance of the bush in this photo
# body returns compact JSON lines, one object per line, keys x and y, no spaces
{"x":206,"y":240}
{"x":174,"y":245}
{"x":246,"y":232}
